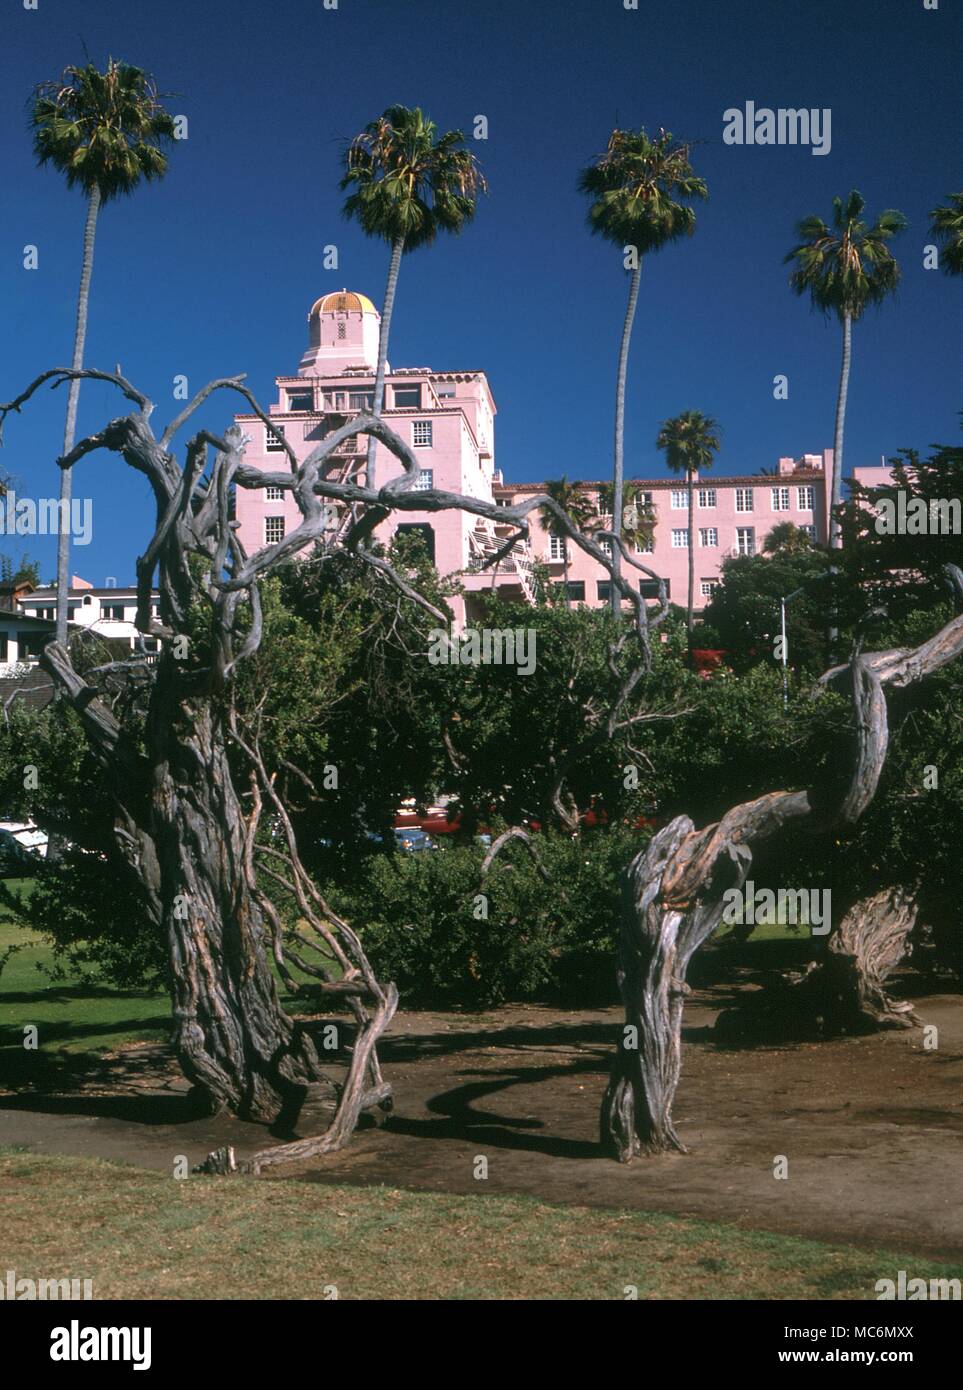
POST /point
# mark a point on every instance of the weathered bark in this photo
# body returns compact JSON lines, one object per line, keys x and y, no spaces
{"x":673,"y":900}
{"x":664,"y":920}
{"x":231,"y":1035}
{"x":844,"y":991}
{"x":871,"y":940}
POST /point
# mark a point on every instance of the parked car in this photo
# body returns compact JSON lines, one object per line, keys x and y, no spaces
{"x":26,"y":834}
{"x":411,"y":839}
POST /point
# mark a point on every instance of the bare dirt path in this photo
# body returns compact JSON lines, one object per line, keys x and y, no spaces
{"x":872,"y":1128}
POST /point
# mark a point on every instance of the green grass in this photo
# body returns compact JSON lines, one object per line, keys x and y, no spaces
{"x":144,"y":1235}
{"x":72,"y":1018}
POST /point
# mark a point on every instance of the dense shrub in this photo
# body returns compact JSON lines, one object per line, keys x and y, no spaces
{"x":416,"y":914}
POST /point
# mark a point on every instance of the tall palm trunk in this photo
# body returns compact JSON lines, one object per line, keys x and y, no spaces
{"x":836,"y":495}
{"x":617,"y":476}
{"x":689,"y":491}
{"x":835,"y":538}
{"x":70,"y":427}
{"x":394,"y":265}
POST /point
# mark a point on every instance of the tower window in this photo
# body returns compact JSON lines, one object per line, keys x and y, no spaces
{"x":342,"y":330}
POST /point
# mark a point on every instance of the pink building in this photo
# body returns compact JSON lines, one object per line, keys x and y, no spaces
{"x":448,"y":419}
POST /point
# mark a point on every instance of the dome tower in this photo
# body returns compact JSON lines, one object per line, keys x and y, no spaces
{"x":343,"y":332}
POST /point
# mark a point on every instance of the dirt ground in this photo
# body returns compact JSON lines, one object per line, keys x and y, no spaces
{"x":871,"y":1127}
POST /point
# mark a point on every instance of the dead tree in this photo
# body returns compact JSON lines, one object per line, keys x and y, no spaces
{"x":673,"y":899}
{"x":847,"y":989}
{"x":207,"y":876}
{"x":842,"y":992}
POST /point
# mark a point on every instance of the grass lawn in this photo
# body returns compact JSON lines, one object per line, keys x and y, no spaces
{"x":70,"y":1018}
{"x":143,"y":1235}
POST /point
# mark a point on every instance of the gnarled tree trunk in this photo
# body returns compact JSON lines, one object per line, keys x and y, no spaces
{"x":231,"y":1035}
{"x":871,"y":940}
{"x":843,"y":992}
{"x":674,"y":900}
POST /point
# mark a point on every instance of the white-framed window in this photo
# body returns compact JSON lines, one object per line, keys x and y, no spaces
{"x":647,"y":546}
{"x":274,"y":494}
{"x":425,"y":480}
{"x":708,"y":536}
{"x":680,"y":539}
{"x":503,"y":502}
{"x":556,"y":547}
{"x":808,"y":530}
{"x":605,"y":545}
{"x":780,"y":499}
{"x":273,"y":438}
{"x":114,"y":612}
{"x":679,"y":499}
{"x":746,"y":540}
{"x":421,"y":434}
{"x":300,"y":400}
{"x":273,"y":529}
{"x":805,"y":498}
{"x":743,"y":499}
{"x":707,"y":587}
{"x":707,"y":497}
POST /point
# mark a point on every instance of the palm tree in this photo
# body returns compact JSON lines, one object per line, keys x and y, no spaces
{"x":575,"y":502}
{"x":947,"y":227}
{"x":786,"y":538}
{"x":690,"y":441}
{"x":635,"y":187}
{"x":844,"y":269}
{"x":103,"y":131}
{"x":638,"y":515}
{"x":409,"y":183}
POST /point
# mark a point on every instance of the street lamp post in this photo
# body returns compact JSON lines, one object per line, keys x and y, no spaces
{"x":782,"y":610}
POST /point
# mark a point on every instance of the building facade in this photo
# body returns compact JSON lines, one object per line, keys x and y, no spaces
{"x":28,"y":619}
{"x":448,"y":419}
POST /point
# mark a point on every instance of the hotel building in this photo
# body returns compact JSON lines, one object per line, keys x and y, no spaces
{"x":448,"y":419}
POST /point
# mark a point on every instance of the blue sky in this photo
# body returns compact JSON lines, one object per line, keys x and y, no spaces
{"x":212,"y":271}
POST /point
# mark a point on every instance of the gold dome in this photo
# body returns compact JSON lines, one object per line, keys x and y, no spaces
{"x":343,"y":301}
